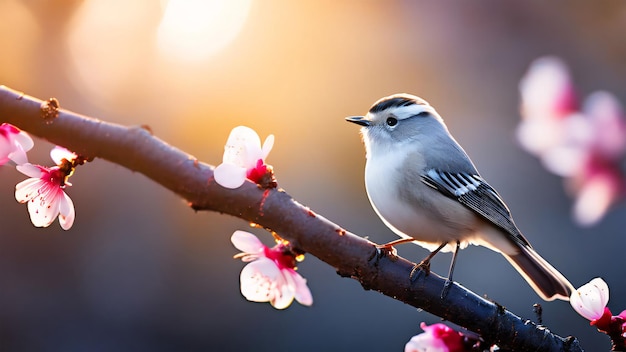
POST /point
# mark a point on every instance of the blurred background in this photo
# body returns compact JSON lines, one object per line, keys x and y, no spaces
{"x":139,"y":270}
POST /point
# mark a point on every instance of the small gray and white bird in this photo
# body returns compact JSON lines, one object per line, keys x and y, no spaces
{"x":425,"y":188}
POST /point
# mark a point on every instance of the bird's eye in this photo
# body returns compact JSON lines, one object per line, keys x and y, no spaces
{"x":392,"y":121}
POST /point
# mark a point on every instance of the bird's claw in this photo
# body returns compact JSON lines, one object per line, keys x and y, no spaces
{"x":423,"y":266}
{"x":387,"y":248}
{"x":382,"y":250}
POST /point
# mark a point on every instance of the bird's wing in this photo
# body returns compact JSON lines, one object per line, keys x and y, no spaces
{"x":476,"y":194}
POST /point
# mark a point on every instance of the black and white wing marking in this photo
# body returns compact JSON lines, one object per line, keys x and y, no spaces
{"x":476,"y":194}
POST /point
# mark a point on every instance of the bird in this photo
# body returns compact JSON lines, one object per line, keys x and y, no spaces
{"x":425,"y":188}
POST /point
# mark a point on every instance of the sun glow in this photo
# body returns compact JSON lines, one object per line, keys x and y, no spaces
{"x":193,"y":30}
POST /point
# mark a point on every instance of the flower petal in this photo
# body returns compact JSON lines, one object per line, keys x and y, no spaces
{"x":18,"y":155}
{"x":302,"y":292}
{"x":591,"y":299}
{"x":247,"y":242}
{"x":59,"y":153}
{"x":44,"y":208}
{"x":261,"y":281}
{"x":251,"y":155}
{"x":426,"y":341}
{"x":547,"y":90}
{"x":5,"y":149}
{"x":28,"y":189}
{"x":595,"y":198}
{"x":30,"y":170}
{"x":229,"y":175}
{"x":243,"y":145}
{"x":607,"y":119}
{"x":564,"y":160}
{"x":13,"y":144}
{"x":24,"y":140}
{"x":66,"y":212}
{"x":286,"y":291}
{"x":267,"y":146}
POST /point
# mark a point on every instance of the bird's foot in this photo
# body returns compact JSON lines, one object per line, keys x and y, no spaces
{"x":395,"y":243}
{"x":423,"y":266}
{"x":389,"y":249}
{"x":384,"y":250}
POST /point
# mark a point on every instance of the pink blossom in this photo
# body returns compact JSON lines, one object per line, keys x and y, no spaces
{"x":57,"y":154}
{"x":596,"y":194}
{"x":244,"y":158}
{"x":590,"y":300}
{"x":607,"y":121}
{"x":547,"y":90}
{"x":436,"y":338}
{"x":548,"y":97}
{"x":585,"y":146}
{"x":600,"y":182}
{"x":44,"y":191}
{"x":270,"y":275}
{"x":14,"y":144}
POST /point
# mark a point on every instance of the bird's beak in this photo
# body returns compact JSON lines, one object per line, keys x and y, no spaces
{"x":359,"y":120}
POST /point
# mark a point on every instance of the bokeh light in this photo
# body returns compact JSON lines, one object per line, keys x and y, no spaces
{"x":108,"y":49}
{"x":18,"y":47}
{"x":192,"y":30}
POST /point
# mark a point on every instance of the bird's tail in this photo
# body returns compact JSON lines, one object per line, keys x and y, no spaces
{"x":548,"y":282}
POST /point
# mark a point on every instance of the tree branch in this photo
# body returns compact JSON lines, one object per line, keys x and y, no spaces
{"x":137,"y":149}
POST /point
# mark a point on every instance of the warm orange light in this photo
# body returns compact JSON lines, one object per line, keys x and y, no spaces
{"x":110,"y":50}
{"x":193,"y":30}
